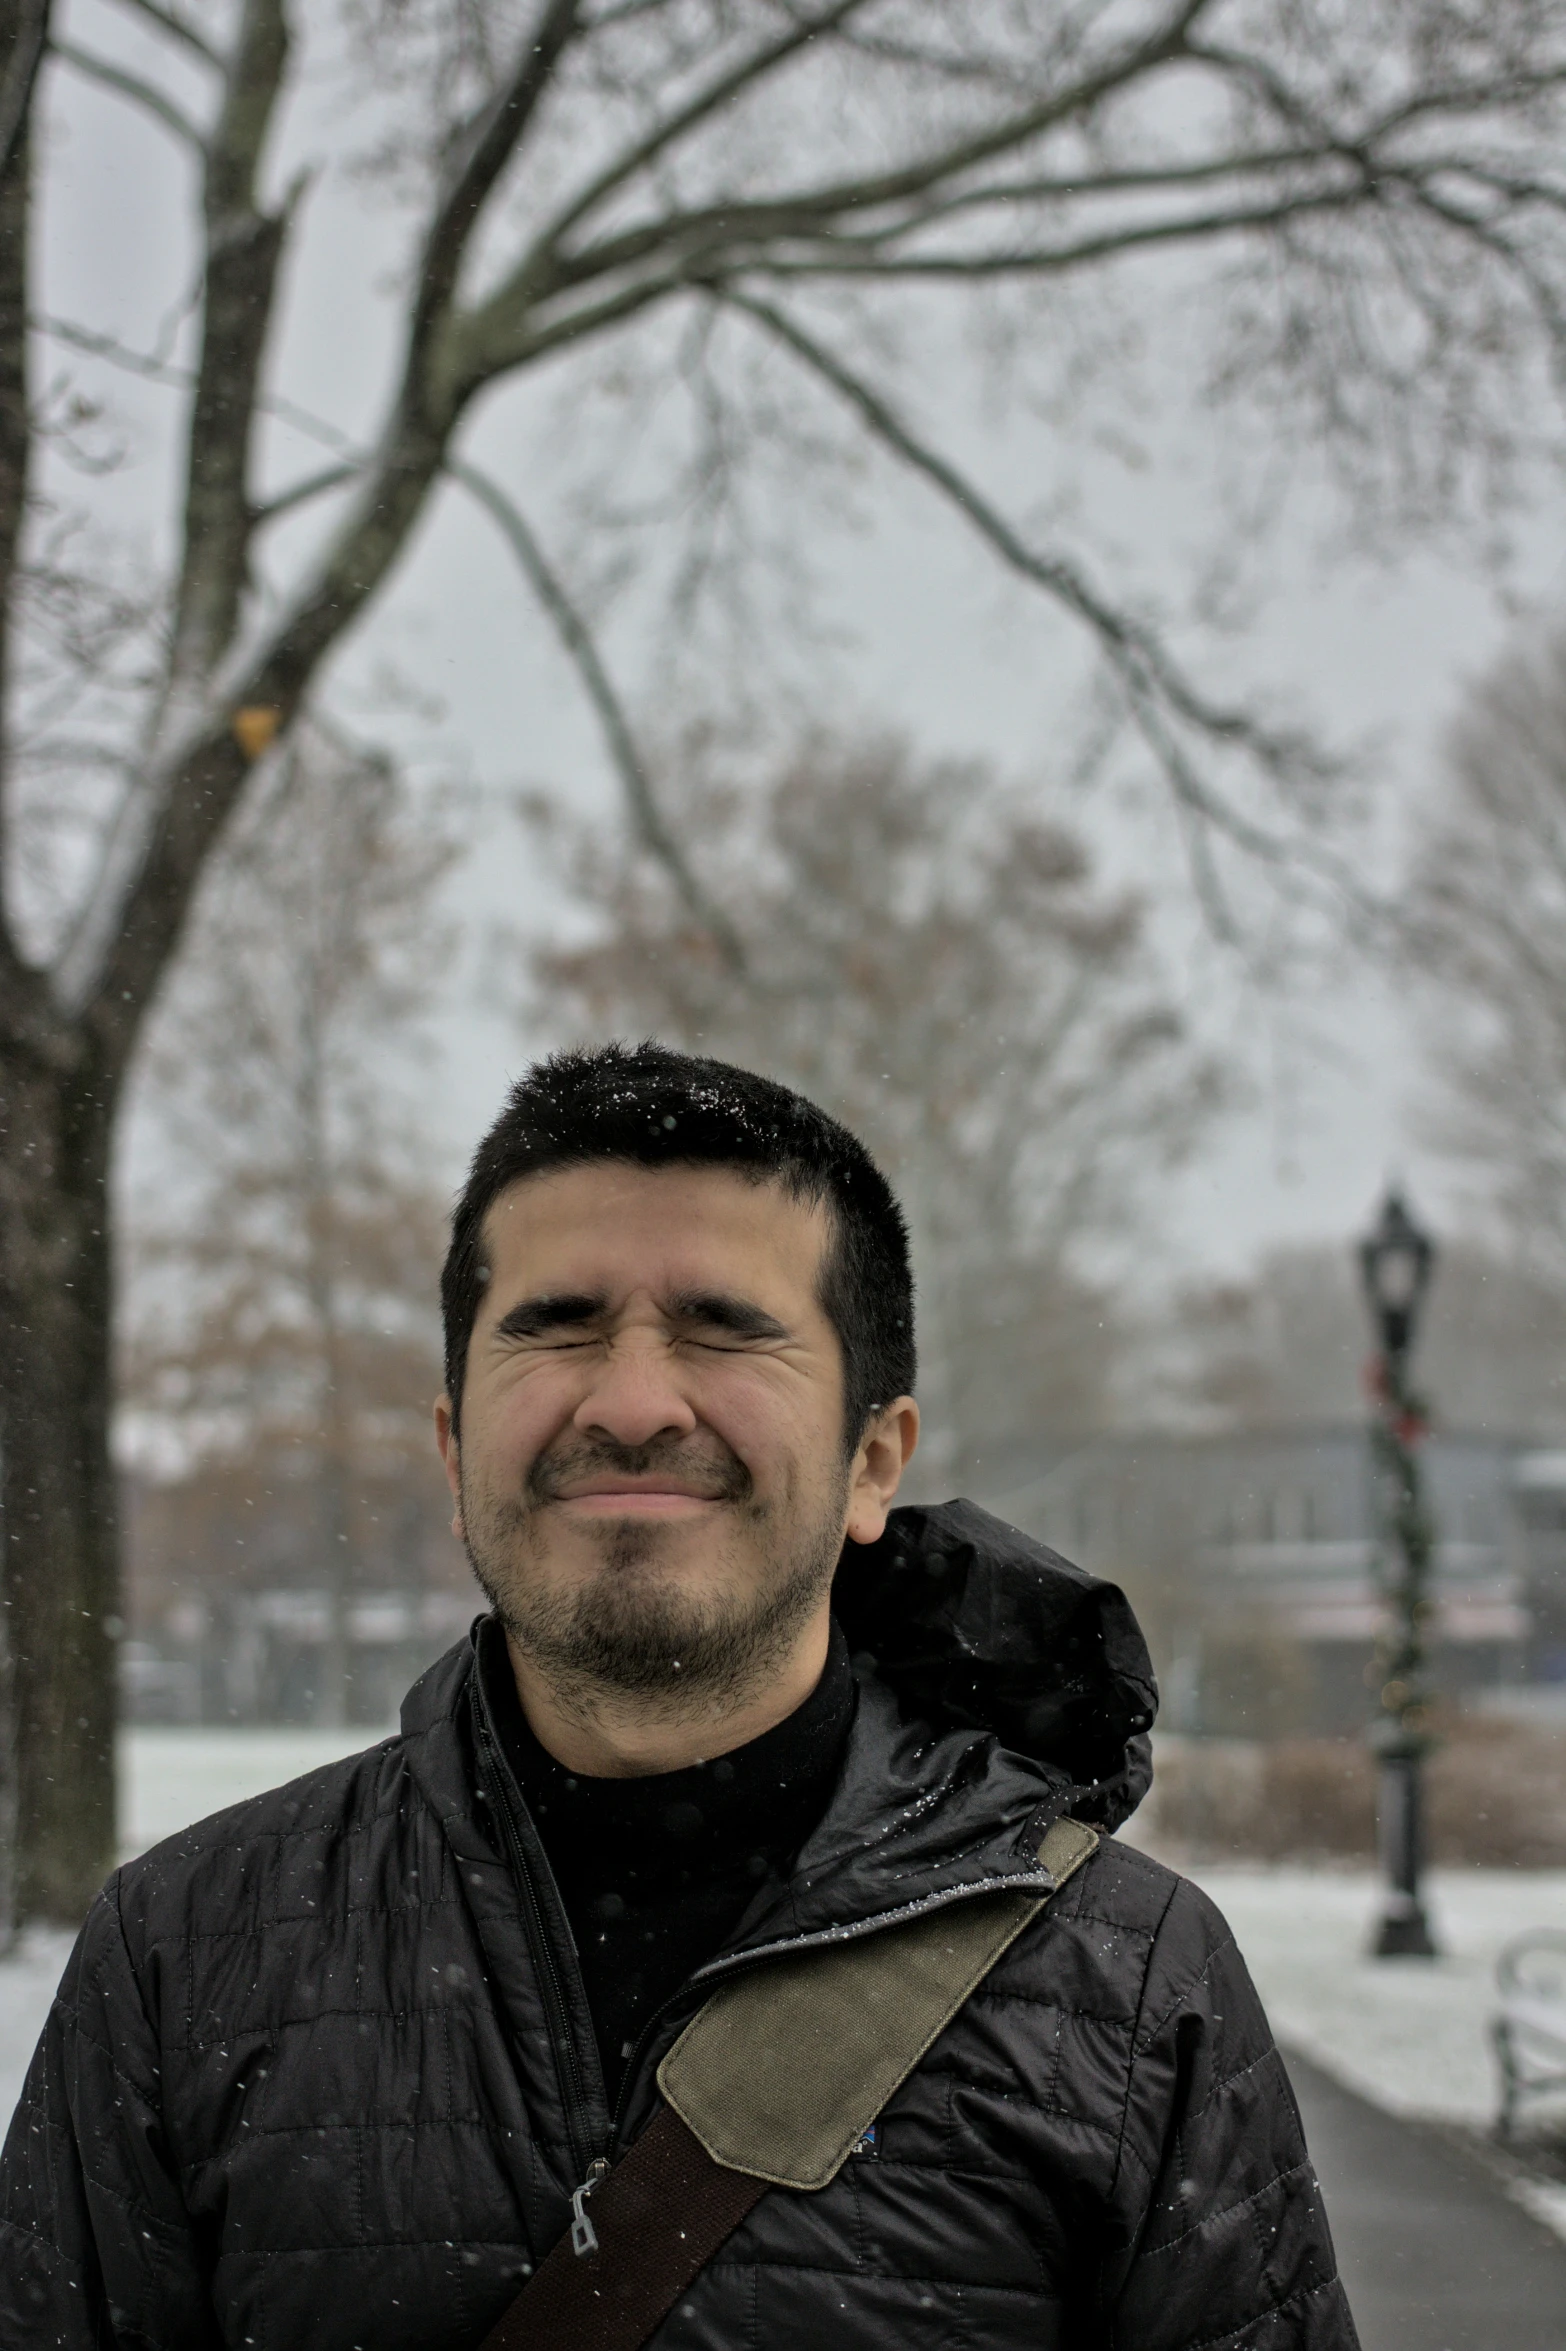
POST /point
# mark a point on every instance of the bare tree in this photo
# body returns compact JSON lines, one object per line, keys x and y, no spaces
{"x":767,"y":200}
{"x":939,"y":969}
{"x":283,"y":1254}
{"x":1485,"y":935}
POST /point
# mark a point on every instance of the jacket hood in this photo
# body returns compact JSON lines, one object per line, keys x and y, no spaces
{"x":974,"y":1625}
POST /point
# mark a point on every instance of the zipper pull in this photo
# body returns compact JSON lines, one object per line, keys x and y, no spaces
{"x":584,"y":2237}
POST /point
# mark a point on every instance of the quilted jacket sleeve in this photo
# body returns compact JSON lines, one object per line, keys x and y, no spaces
{"x":1226,"y":2241}
{"x":95,"y":2245}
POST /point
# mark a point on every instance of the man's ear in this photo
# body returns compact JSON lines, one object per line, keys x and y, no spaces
{"x":451,"y":1459}
{"x":885,"y":1450}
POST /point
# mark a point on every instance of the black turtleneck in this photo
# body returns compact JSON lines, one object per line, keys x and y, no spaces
{"x":655,"y":1872}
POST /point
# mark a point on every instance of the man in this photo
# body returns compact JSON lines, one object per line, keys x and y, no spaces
{"x":327,"y":2070}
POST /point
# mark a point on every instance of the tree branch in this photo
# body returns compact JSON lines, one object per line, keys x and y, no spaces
{"x":130,"y":85}
{"x":1151,"y":179}
{"x":450,"y":355}
{"x":191,"y":780}
{"x":1150,"y":680}
{"x":490,"y":143}
{"x":718,"y":92}
{"x":577,"y":638}
{"x":853,"y":258}
{"x":243,"y":246}
{"x":1546,"y":303}
{"x":177,"y":27}
{"x":315,"y":485}
{"x":1445,"y":98}
{"x":162,"y":371}
{"x":30,"y":24}
{"x":118,"y":354}
{"x":496,"y":320}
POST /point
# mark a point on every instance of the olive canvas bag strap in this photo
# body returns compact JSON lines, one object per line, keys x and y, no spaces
{"x":773,"y":2084}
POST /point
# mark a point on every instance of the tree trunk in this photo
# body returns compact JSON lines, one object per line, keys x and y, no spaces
{"x":332,"y":1707}
{"x":57,"y":1488}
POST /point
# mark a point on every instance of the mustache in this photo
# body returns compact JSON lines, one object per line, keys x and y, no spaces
{"x":706,"y":1462}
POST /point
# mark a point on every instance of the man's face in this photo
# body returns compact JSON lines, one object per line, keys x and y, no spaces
{"x":651,"y":1478}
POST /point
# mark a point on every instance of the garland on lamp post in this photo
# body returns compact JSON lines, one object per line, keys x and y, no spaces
{"x":1397,"y":1261}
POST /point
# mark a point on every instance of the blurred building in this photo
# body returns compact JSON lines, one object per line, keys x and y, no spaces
{"x":1254,"y":1560}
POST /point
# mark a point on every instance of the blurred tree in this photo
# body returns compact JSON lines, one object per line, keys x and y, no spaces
{"x":283,"y":1257}
{"x":738,"y":220}
{"x":1484,"y":933}
{"x":939,"y":969}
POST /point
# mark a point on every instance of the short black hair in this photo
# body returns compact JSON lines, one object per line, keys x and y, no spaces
{"x":655,"y":1107}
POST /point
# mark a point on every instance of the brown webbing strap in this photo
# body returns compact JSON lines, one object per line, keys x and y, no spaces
{"x":660,"y":2215}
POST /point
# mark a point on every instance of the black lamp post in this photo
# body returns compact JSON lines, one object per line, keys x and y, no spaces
{"x":1396,"y":1263}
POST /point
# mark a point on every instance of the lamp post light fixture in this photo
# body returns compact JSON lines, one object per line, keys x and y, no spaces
{"x":1396,"y":1263}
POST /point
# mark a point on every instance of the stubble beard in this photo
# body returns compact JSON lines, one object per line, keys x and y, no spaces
{"x":631,"y":1629}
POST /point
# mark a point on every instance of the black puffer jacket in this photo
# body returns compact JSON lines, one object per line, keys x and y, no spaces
{"x":321,"y":2074}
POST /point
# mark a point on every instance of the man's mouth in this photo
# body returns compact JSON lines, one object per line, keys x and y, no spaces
{"x":608,"y":1496}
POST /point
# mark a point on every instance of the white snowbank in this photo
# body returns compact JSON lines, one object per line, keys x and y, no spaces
{"x":168,"y":1778}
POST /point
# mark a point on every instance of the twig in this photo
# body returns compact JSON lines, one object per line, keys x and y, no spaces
{"x":98,"y":346}
{"x":178,"y":27}
{"x":130,"y":85}
{"x":181,"y":379}
{"x":315,"y":485}
{"x":720,"y":92}
{"x":864,"y":257}
{"x":578,"y":641}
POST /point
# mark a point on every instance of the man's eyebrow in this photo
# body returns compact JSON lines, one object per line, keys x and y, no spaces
{"x":553,"y":1311}
{"x":721,"y":1310}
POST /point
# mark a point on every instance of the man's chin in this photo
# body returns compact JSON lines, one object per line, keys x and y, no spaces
{"x":643,"y":1634}
{"x":632,"y":1576}
{"x":673,"y":1545}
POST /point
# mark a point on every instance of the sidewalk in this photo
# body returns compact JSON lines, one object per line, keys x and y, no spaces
{"x":1436,"y":2256}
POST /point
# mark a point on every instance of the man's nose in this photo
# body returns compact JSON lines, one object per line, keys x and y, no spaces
{"x":636,"y":1394}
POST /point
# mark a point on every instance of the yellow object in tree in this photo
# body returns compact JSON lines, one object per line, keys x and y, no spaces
{"x":255,"y":727}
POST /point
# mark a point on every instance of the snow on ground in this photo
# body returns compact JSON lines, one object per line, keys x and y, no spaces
{"x":168,"y":1778}
{"x":1410,"y":2034}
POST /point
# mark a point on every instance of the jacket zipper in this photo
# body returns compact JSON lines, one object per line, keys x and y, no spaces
{"x":557,"y":2013}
